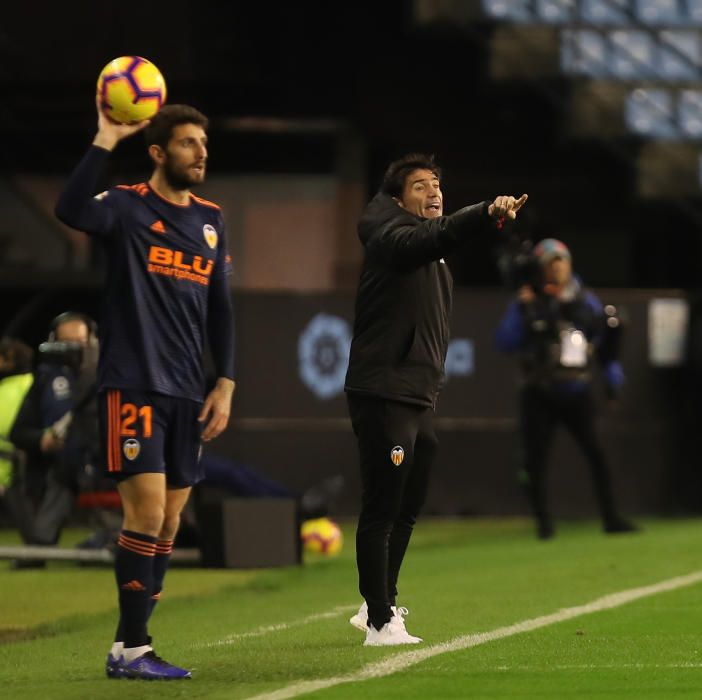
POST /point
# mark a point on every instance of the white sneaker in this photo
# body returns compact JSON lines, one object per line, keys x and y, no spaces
{"x":399,"y":615}
{"x":360,"y":619}
{"x":391,"y":633}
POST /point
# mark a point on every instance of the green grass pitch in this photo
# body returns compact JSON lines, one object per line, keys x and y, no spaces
{"x":249,"y":633}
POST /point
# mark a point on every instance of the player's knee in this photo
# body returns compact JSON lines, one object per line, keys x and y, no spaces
{"x":147,"y":520}
{"x":170,"y":526}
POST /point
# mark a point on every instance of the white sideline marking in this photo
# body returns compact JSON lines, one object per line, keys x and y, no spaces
{"x":592,"y":667}
{"x":267,"y":629}
{"x":404,"y":660}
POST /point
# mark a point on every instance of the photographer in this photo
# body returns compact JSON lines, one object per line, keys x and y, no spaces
{"x":560,"y":329}
{"x":57,"y":428}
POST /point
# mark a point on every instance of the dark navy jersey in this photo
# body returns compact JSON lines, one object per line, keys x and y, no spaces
{"x":166,"y":283}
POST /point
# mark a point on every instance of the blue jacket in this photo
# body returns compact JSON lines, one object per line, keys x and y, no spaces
{"x":533,"y":330}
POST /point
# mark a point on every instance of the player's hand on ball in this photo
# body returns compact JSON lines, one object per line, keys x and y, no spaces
{"x":110,"y":133}
{"x":506,"y":207}
{"x":217,"y":408}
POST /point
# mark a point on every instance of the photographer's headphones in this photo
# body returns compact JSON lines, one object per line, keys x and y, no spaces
{"x":67,"y":316}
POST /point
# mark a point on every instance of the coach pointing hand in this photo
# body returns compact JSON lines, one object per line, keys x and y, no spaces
{"x":507,"y":206}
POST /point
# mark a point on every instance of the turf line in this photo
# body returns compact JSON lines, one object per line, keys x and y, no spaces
{"x":404,"y":660}
{"x":268,"y":629}
{"x":591,"y":667}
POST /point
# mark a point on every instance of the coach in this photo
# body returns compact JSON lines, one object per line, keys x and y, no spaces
{"x":396,"y":368}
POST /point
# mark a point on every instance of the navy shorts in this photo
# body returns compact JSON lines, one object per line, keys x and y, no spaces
{"x":142,"y":431}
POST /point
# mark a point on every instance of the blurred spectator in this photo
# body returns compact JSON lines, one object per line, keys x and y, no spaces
{"x":559,"y":328}
{"x":15,"y":380}
{"x":57,"y":428}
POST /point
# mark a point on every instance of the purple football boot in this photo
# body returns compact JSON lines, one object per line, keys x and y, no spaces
{"x":150,"y":667}
{"x":113,"y":666}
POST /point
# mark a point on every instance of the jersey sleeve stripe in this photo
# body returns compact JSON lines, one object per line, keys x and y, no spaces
{"x":206,"y":202}
{"x":141,"y":188}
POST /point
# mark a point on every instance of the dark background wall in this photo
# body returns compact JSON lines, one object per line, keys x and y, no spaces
{"x":290,"y":418}
{"x":282,"y":427}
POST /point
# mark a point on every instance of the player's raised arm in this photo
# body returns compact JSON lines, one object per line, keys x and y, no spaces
{"x":77,"y":206}
{"x":110,"y":133}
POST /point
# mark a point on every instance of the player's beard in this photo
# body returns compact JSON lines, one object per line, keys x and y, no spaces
{"x":178,"y":179}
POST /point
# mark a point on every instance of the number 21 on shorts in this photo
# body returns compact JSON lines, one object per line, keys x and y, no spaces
{"x":132,"y":417}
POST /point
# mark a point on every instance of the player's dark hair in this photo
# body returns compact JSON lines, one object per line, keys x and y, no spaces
{"x":160,"y":129}
{"x":398,"y":170}
{"x":18,"y":353}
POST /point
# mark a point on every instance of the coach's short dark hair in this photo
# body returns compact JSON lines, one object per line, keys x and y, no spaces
{"x":398,"y":170}
{"x":160,"y":130}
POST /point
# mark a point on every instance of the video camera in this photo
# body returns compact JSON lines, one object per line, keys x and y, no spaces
{"x":517,"y":264}
{"x":61,"y":353}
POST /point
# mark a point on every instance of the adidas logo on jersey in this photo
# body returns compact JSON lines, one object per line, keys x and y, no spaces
{"x":158,"y":227}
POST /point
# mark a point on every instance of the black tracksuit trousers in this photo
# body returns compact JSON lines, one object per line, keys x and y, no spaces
{"x":540,"y":412}
{"x":397,"y":443}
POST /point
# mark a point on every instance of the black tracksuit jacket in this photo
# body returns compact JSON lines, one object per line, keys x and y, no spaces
{"x":403,"y":303}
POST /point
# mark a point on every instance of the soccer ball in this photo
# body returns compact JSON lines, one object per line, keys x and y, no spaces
{"x":322,"y":536}
{"x":131,"y":89}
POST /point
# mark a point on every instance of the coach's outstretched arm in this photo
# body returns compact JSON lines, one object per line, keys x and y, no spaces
{"x":77,"y":206}
{"x":400,"y":240}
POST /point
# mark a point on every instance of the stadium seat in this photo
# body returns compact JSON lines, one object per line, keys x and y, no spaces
{"x":555,"y":11}
{"x":633,"y":54}
{"x":584,"y":52}
{"x":679,"y":55}
{"x":659,"y":12}
{"x":649,"y":112}
{"x":512,"y":10}
{"x":690,"y":113}
{"x":693,"y":12}
{"x":606,"y":12}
